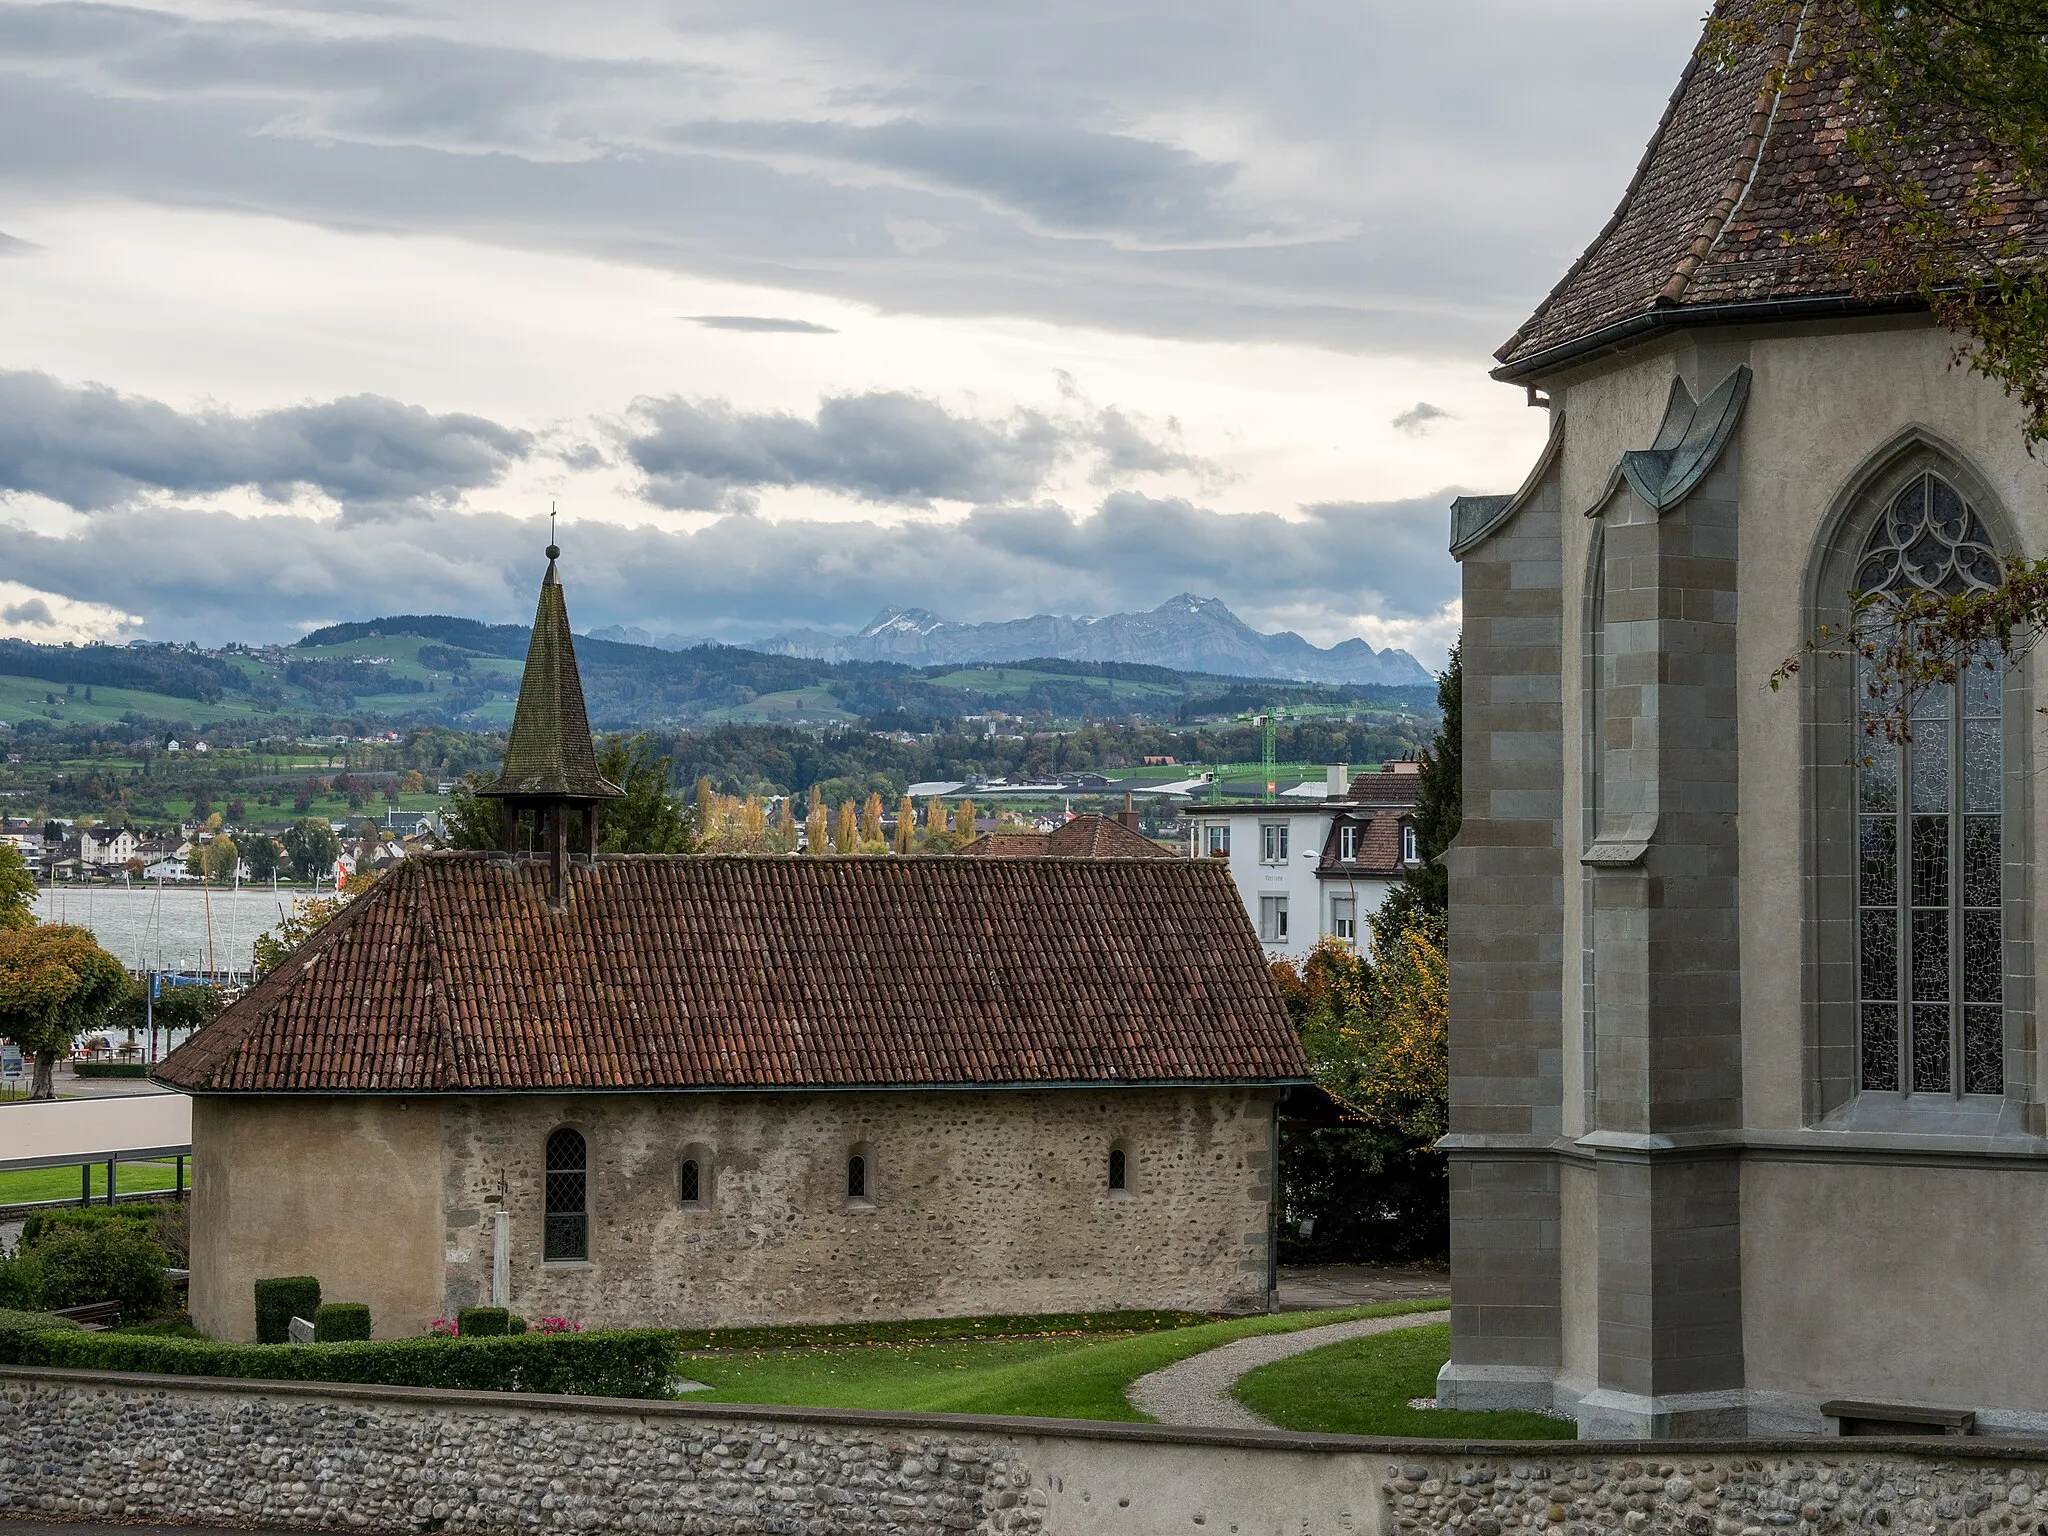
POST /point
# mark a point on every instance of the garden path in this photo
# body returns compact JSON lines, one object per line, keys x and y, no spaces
{"x":1197,"y":1390}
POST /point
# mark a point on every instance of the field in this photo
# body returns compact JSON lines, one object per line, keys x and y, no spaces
{"x":62,"y":1183}
{"x":1363,"y":1387}
{"x":27,"y":698}
{"x":1075,"y":1376}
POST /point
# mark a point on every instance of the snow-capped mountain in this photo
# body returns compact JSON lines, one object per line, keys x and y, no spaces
{"x":1189,"y":633}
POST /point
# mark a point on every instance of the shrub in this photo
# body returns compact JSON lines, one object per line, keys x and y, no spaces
{"x":514,"y":1323}
{"x":634,"y":1363}
{"x":279,"y":1301}
{"x":111,"y":1069}
{"x":482,"y":1322}
{"x":21,"y":1282}
{"x":115,"y":1262}
{"x":89,"y":1217}
{"x":337,"y":1322}
{"x":32,"y":1321}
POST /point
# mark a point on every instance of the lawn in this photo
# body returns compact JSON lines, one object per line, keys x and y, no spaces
{"x":1058,"y":1378}
{"x":62,"y":1183}
{"x":1362,"y":1387}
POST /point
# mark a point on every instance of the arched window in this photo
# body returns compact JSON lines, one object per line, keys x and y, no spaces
{"x":693,"y":1182}
{"x":856,"y":1177}
{"x":1117,"y":1170}
{"x":566,"y":1234}
{"x":1930,"y":831}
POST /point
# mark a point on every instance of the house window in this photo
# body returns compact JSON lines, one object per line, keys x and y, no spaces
{"x":1273,"y":847}
{"x":1118,"y":1166}
{"x":1219,"y":840}
{"x":1411,"y":847}
{"x":1344,"y":918}
{"x":1347,"y":842}
{"x":1930,"y":832}
{"x":565,"y":1236}
{"x":1273,"y":919}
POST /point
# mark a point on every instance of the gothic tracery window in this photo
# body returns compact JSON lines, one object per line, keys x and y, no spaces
{"x":1930,"y":970}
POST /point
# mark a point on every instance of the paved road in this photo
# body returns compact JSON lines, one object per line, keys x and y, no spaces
{"x":1197,"y":1390}
{"x":1312,"y":1287}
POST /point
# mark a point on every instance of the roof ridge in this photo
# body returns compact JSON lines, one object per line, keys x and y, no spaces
{"x":1748,"y":160}
{"x":1635,"y":182}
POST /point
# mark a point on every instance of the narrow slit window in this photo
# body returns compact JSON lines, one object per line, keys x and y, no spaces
{"x":565,"y":1236}
{"x":856,"y":1177}
{"x":693,"y":1182}
{"x":1116,"y":1168}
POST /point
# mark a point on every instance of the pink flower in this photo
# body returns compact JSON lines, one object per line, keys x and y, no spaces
{"x":555,"y":1325}
{"x":444,"y":1328}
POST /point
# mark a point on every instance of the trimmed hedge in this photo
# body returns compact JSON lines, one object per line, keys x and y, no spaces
{"x":42,"y":1223}
{"x":279,"y":1301}
{"x":483,"y":1322}
{"x":628,"y":1363}
{"x":111,"y":1069}
{"x":341,"y":1322}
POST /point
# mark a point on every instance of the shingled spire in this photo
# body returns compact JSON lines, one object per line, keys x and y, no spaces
{"x":550,"y":767}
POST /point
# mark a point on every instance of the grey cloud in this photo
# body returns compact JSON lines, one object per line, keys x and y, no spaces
{"x":740,"y":577}
{"x":763,"y":323}
{"x":13,"y":245}
{"x":35,"y":611}
{"x":91,"y":448}
{"x":886,"y":447}
{"x":1143,"y":168}
{"x":1416,"y":419}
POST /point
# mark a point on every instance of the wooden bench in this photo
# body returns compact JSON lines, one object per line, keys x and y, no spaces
{"x":1899,"y":1419}
{"x":94,"y":1316}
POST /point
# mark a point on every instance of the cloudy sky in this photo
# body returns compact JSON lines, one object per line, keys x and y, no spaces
{"x":794,"y":308}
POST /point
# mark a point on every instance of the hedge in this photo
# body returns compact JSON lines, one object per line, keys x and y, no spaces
{"x":483,"y":1322}
{"x":111,"y":1069}
{"x":280,"y":1300}
{"x":627,"y":1363}
{"x":337,"y":1322}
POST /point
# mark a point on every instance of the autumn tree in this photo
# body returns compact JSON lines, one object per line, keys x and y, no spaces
{"x":871,"y":820}
{"x":705,"y":799}
{"x":1424,"y":890}
{"x":963,"y":821}
{"x":55,"y":984}
{"x":1375,"y":1027}
{"x":934,"y":817}
{"x":846,"y":831}
{"x":906,"y":824}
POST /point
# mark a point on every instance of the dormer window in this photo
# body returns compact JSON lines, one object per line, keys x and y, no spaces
{"x":1347,"y":842}
{"x":1411,"y":848}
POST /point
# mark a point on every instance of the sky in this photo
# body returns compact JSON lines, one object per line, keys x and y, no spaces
{"x":793,"y":309}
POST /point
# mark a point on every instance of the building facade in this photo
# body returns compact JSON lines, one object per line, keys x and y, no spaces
{"x":1309,"y":870}
{"x":700,"y":1092}
{"x":1747,"y":1107}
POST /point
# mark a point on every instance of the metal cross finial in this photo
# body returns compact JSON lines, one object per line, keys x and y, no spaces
{"x":554,"y":547}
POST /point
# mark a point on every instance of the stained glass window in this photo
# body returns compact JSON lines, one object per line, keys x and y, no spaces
{"x":1930,"y":834}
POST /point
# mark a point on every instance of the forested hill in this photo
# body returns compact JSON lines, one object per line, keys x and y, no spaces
{"x":425,"y":668}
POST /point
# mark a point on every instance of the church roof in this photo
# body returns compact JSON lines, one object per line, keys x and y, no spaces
{"x":1721,"y":217}
{"x":455,"y":973}
{"x":549,"y":755}
{"x":1085,"y":837}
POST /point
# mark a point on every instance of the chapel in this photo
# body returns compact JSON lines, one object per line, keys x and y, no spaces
{"x":711,"y":1091}
{"x":1747,"y":1119}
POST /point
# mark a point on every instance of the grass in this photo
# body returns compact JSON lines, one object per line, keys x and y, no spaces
{"x":1057,"y":1378}
{"x":1362,"y":1387}
{"x":62,"y":1183}
{"x":931,"y":1329}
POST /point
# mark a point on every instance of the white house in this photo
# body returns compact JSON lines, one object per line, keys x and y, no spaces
{"x":1314,"y":869}
{"x":107,"y":847}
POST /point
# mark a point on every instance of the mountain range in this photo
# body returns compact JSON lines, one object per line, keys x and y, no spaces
{"x":1188,"y":633}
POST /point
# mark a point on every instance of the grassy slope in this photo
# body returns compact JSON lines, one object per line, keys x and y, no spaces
{"x":1362,"y":1387}
{"x":1061,"y":1379}
{"x":22,"y":698}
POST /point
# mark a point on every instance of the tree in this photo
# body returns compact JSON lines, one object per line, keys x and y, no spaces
{"x":963,"y":821}
{"x":846,"y":829}
{"x":934,"y":817}
{"x":1375,"y":1028}
{"x":646,"y":819}
{"x":55,"y":984}
{"x":1425,"y":890}
{"x":261,"y":851}
{"x":312,"y":848}
{"x":705,"y":797}
{"x":307,"y":918}
{"x":871,"y":820}
{"x":218,"y":857}
{"x":473,"y":822}
{"x":17,"y":890}
{"x":906,"y":824}
{"x":187,"y":1008}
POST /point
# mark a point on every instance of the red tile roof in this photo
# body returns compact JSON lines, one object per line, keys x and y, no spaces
{"x":1736,"y":182}
{"x":1085,"y":837}
{"x":454,"y":974}
{"x":1378,"y":851}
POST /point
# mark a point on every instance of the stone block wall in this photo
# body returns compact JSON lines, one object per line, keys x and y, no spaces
{"x":394,"y":1461}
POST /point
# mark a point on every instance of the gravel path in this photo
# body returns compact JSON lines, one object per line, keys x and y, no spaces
{"x":1197,"y":1389}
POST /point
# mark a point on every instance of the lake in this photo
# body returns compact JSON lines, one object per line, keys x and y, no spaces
{"x":149,"y":929}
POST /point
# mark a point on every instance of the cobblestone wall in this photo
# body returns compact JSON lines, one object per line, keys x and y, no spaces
{"x":398,"y":1461}
{"x":1805,"y":1493}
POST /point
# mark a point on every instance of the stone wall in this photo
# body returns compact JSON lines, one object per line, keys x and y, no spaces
{"x":979,"y":1202}
{"x":87,"y":1445}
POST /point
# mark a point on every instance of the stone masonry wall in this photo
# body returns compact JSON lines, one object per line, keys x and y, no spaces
{"x":87,"y":1445}
{"x":978,"y":1202}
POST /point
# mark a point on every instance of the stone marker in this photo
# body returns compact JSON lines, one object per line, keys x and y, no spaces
{"x":299,"y":1330}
